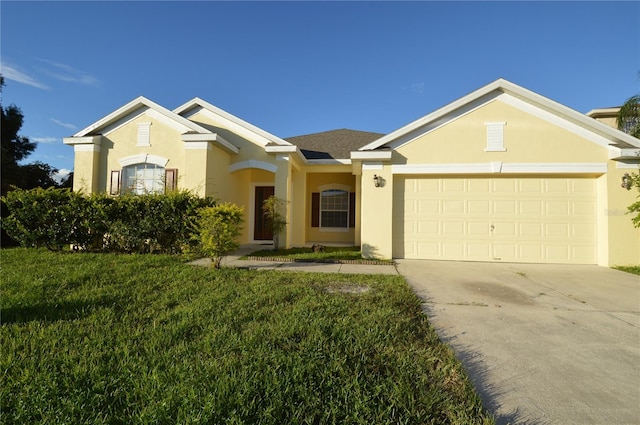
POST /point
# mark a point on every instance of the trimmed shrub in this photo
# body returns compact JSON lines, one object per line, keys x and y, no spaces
{"x":146,"y":223}
{"x":48,"y":218}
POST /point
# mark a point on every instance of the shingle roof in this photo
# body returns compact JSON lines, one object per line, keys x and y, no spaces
{"x":333,"y":144}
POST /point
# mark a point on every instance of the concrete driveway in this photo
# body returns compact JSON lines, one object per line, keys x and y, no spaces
{"x":543,"y":344}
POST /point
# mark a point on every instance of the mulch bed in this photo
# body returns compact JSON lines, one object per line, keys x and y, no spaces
{"x":298,"y":260}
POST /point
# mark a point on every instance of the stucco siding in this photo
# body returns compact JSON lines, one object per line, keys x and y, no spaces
{"x":527,"y":138}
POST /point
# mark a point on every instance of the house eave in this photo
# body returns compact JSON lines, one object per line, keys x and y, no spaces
{"x":212,"y":138}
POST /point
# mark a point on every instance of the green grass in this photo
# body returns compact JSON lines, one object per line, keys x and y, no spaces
{"x":629,"y":269}
{"x":131,"y":339}
{"x":331,"y":253}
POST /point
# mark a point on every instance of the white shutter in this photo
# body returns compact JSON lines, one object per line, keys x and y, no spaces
{"x":144,"y":132}
{"x":495,"y":136}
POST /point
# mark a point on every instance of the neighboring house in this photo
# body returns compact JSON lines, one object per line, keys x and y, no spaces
{"x":502,"y":174}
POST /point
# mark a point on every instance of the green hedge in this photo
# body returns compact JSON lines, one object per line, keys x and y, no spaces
{"x":55,"y":218}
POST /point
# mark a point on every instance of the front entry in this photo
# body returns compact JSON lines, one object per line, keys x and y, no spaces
{"x":261,"y":227}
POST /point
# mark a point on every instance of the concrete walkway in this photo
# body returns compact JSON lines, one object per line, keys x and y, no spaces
{"x":543,"y":344}
{"x":235,"y":261}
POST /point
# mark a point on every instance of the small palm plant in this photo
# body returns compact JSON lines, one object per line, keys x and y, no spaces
{"x":273,"y":209}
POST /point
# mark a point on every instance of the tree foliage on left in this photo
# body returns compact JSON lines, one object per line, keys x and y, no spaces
{"x":16,"y":148}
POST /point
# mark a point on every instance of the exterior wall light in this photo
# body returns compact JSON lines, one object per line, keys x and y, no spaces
{"x":378,"y":181}
{"x":627,"y":181}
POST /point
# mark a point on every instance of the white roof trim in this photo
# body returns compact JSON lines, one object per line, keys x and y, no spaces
{"x":252,"y":163}
{"x":440,"y":116}
{"x":130,"y":108}
{"x":144,"y":158}
{"x":503,"y":168}
{"x":236,"y":124}
{"x":281,"y":149}
{"x":210,"y":137}
{"x":369,"y":155}
{"x":86,"y":140}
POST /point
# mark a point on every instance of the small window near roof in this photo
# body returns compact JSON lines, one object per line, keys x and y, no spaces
{"x":495,"y":137}
{"x":334,"y":208}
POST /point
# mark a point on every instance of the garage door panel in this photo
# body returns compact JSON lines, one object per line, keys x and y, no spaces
{"x":427,"y":207}
{"x":478,"y":250}
{"x":560,"y":208}
{"x":488,"y":219}
{"x":504,"y":207}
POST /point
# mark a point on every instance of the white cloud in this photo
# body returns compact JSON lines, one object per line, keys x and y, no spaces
{"x":61,"y":175}
{"x":46,"y":140}
{"x":64,"y":124}
{"x":69,"y":74}
{"x":417,"y":88}
{"x":11,"y":73}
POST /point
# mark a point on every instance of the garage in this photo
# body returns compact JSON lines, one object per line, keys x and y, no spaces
{"x":541,"y":219}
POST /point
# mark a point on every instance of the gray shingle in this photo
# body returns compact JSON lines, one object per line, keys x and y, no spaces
{"x":333,"y":144}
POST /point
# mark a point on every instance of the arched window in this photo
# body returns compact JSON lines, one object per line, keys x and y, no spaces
{"x":141,"y":179}
{"x":142,"y":174}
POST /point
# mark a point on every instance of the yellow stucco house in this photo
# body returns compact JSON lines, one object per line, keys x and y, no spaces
{"x":501,"y":174}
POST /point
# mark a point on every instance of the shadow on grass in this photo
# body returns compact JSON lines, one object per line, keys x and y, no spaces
{"x":53,"y":311}
{"x":477,"y":371}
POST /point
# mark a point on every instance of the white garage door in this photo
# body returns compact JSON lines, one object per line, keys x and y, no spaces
{"x":540,"y":220}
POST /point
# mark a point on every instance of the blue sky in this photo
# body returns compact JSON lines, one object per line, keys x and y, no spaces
{"x":296,"y":68}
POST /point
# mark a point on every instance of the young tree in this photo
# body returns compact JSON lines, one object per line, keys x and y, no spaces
{"x":628,"y":120}
{"x":219,"y":228}
{"x":273,"y":208}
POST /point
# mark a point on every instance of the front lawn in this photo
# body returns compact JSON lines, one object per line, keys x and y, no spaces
{"x":132,"y":339}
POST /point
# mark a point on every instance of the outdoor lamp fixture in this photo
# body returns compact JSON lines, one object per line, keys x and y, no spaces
{"x":377,"y":180}
{"x":627,"y":181}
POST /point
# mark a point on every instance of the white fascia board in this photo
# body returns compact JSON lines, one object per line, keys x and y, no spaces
{"x":85,"y":140}
{"x":503,"y":168}
{"x":603,"y":111}
{"x":86,"y":148}
{"x":371,"y":155}
{"x":281,"y":149}
{"x":210,"y":137}
{"x":288,"y":149}
{"x":130,"y":108}
{"x":238,"y":124}
{"x":623,"y":153}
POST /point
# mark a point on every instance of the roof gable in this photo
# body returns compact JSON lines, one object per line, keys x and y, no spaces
{"x":519,"y":97}
{"x":235,"y":124}
{"x":134,"y":108}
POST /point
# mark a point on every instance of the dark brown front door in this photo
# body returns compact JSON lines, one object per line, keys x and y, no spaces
{"x":261,"y":228}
